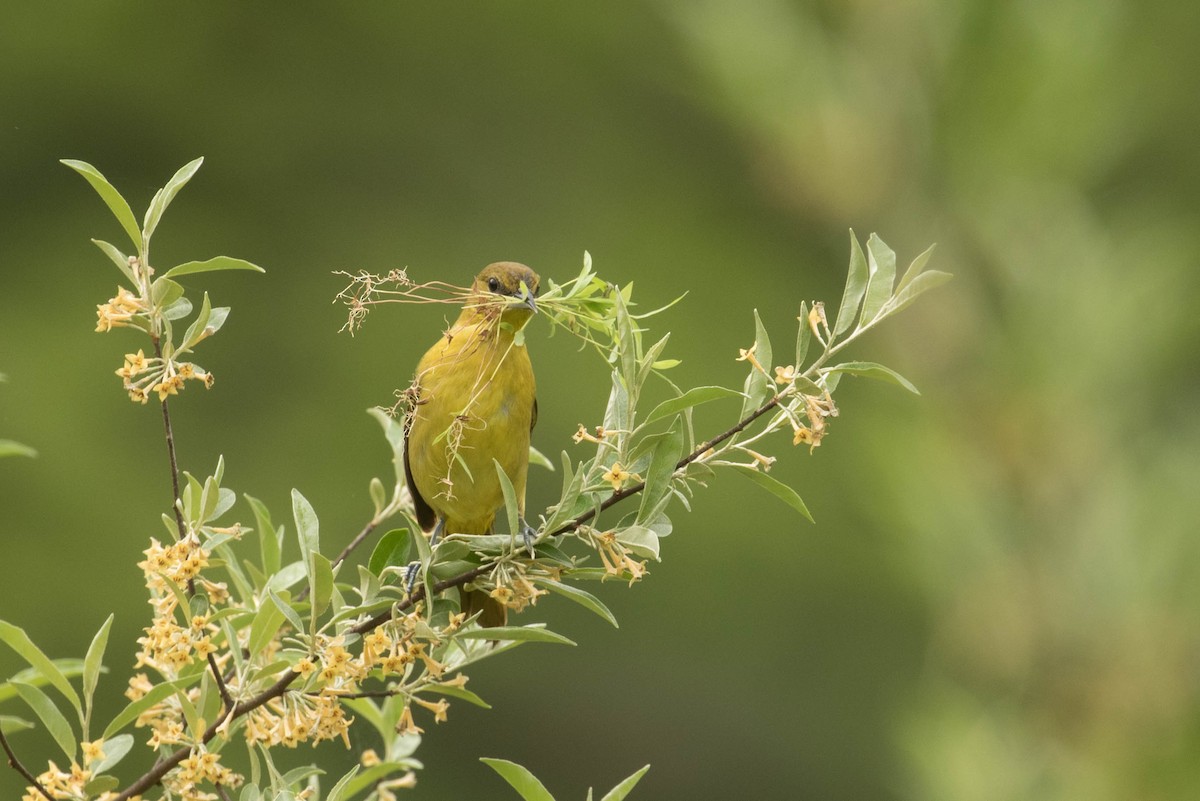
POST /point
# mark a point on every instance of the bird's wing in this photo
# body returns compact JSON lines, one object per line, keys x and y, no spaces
{"x":425,"y":514}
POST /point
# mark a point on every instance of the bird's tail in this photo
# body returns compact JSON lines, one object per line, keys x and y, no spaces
{"x":494,"y":613}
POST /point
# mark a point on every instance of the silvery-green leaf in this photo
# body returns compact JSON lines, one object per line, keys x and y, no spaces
{"x":881,"y":269}
{"x":111,"y":197}
{"x":856,"y":285}
{"x":164,"y":196}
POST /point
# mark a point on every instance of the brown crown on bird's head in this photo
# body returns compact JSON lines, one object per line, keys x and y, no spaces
{"x":509,"y":287}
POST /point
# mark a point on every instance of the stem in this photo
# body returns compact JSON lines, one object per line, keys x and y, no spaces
{"x":634,"y":489}
{"x":175,"y":504}
{"x":16,"y":765}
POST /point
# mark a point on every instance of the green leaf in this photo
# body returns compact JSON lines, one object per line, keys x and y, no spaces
{"x":340,"y":791}
{"x":118,"y":258}
{"x":288,"y":612}
{"x":154,"y":695}
{"x":876,"y":371}
{"x":307,"y":526}
{"x":641,"y":540}
{"x":881,"y":268}
{"x":54,"y":721}
{"x":538,"y":458}
{"x":510,"y":500}
{"x":211,"y":265}
{"x":520,"y":778}
{"x":322,"y":579}
{"x":10,"y":724}
{"x":392,"y":549}
{"x":195,"y":331}
{"x":623,"y":789}
{"x":101,"y":784}
{"x":16,"y":638}
{"x":69,"y":668}
{"x":662,"y":467}
{"x":94,"y":661}
{"x":460,"y":692}
{"x":775,"y":487}
{"x":191,"y":715}
{"x":581,"y":597}
{"x":915,"y":268}
{"x":919,"y":285}
{"x":266,"y":623}
{"x":268,"y":538}
{"x":111,"y":197}
{"x":164,"y":291}
{"x":115,"y":750}
{"x":803,"y":337}
{"x":856,"y":285}
{"x":515,"y":634}
{"x":764,"y":343}
{"x":690,"y":399}
{"x":164,"y":196}
{"x":11,"y":448}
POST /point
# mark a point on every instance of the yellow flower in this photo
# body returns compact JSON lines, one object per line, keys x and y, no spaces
{"x":618,"y":475}
{"x":785,"y":375}
{"x":747,"y":355}
{"x":804,"y":434}
{"x":582,"y":434}
{"x":93,"y":751}
{"x":169,"y":385}
{"x":369,"y":758}
{"x":438,"y":709}
{"x":406,"y":724}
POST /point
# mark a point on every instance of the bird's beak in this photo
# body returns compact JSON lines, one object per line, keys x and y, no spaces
{"x":525,"y":299}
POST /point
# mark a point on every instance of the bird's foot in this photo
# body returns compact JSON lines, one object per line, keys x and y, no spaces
{"x":529,"y":536}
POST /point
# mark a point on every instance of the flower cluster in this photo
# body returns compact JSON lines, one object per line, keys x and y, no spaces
{"x":142,"y":376}
{"x":200,"y":767}
{"x":333,"y":672}
{"x":119,"y":311}
{"x":60,"y":784}
{"x":165,"y":719}
{"x":615,"y":555}
{"x":816,"y":409}
{"x":168,"y":646}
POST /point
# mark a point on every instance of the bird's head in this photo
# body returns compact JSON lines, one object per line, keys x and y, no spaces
{"x":509,"y":287}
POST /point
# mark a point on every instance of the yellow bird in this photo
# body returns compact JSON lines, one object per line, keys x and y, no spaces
{"x":475,"y":401}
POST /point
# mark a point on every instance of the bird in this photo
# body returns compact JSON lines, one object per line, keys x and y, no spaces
{"x":474,"y":400}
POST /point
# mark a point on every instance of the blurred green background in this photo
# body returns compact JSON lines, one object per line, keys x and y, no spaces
{"x":1000,"y":598}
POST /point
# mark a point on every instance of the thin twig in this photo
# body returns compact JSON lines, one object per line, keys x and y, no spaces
{"x":222,"y":688}
{"x":633,"y":489}
{"x":16,"y":765}
{"x":171,"y":455}
{"x":354,"y":543}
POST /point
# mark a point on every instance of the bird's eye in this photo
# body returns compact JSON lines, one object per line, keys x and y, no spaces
{"x":494,"y":284}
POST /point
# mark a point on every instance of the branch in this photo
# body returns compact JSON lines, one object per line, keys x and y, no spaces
{"x":16,"y":765}
{"x":634,"y":489}
{"x":160,"y":769}
{"x":354,"y":543}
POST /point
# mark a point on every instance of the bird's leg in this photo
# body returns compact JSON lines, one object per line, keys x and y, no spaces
{"x":437,"y":531}
{"x":411,"y":571}
{"x":528,"y":534}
